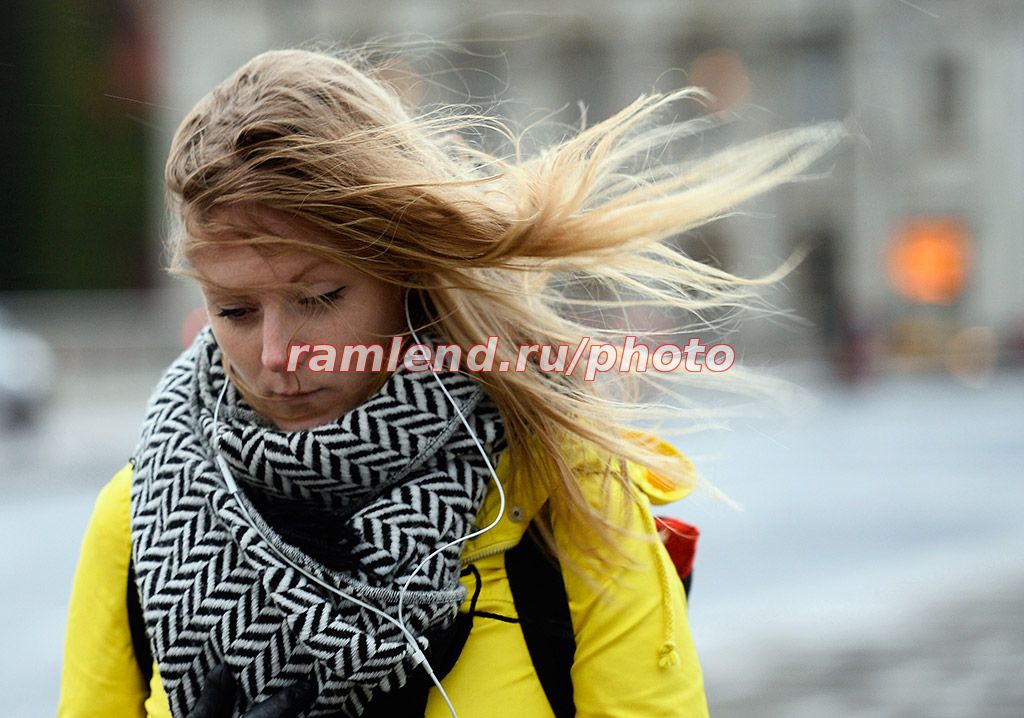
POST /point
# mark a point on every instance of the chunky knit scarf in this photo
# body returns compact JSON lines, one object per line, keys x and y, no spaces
{"x":358,"y":503}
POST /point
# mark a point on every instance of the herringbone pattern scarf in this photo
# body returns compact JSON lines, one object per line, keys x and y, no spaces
{"x":384,"y":486}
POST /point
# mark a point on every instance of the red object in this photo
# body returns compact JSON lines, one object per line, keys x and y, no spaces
{"x":680,"y":540}
{"x":195,"y":321}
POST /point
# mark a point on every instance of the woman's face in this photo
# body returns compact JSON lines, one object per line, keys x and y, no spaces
{"x":255,"y":327}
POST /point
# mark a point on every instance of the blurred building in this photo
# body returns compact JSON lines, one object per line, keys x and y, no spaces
{"x":936,"y":88}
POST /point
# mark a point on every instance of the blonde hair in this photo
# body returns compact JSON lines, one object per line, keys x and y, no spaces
{"x":493,"y":246}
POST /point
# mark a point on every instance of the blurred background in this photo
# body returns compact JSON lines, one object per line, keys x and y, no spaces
{"x":877,"y":567}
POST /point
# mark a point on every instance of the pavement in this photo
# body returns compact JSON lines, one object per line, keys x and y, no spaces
{"x":963,"y":659}
{"x":877,"y":565}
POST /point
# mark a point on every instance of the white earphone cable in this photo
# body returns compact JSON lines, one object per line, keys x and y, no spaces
{"x":418,"y":655}
{"x":490,"y":468}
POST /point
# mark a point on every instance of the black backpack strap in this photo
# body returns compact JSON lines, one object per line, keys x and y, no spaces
{"x":137,"y":627}
{"x":542,"y":605}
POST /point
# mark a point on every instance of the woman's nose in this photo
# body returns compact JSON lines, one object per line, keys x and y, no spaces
{"x":277,"y":336}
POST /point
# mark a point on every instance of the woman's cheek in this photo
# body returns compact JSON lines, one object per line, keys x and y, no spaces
{"x":241,"y":349}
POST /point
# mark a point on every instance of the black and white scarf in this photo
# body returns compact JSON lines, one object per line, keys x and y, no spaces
{"x":358,"y":503}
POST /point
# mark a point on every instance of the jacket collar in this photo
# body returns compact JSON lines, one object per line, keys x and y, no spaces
{"x":521,"y":506}
{"x":522,"y":503}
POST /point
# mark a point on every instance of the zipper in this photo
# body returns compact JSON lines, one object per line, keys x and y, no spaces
{"x":484,"y":553}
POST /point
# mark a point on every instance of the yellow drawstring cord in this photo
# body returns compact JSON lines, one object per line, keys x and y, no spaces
{"x":668,"y":656}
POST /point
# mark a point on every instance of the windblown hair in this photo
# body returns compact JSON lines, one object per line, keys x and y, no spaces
{"x":492,"y":246}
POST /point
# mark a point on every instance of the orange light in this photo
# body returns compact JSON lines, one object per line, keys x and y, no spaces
{"x":928,"y":259}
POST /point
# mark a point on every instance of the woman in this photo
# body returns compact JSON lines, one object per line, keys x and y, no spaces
{"x":288,"y":540}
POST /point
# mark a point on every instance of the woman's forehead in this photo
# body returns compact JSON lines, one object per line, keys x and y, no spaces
{"x":243,"y":268}
{"x":252,"y":220}
{"x":246,"y":246}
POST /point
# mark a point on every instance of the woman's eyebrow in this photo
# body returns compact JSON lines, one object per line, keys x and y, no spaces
{"x":224,"y":292}
{"x":217,"y":293}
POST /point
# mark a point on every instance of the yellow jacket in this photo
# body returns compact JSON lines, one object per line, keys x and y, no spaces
{"x":634,"y":654}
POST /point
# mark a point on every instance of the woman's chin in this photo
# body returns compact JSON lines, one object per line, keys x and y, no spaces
{"x":295,"y":418}
{"x":299,"y":425}
{"x":306,"y":410}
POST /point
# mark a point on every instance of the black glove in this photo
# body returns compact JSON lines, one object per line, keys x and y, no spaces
{"x":218,"y":698}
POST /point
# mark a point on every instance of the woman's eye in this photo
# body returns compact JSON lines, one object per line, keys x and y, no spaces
{"x":232,"y":312}
{"x":323,"y":300}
